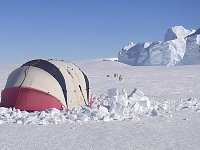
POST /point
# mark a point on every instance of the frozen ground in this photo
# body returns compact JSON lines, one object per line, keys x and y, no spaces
{"x":179,"y":131}
{"x":157,"y":83}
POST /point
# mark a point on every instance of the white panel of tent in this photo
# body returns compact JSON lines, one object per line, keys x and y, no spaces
{"x":33,"y":77}
{"x":73,"y":78}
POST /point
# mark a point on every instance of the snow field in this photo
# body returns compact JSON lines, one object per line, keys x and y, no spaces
{"x":170,"y":90}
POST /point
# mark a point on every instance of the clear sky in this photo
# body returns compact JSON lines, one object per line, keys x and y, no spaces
{"x":86,"y":29}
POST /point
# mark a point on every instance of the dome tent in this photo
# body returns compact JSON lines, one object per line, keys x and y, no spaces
{"x":42,"y":84}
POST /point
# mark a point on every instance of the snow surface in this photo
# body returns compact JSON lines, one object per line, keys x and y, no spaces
{"x":170,"y":52}
{"x":162,"y":113}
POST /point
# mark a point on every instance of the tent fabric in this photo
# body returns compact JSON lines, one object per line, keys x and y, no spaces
{"x":52,"y":70}
{"x":29,"y":99}
{"x":41,"y":84}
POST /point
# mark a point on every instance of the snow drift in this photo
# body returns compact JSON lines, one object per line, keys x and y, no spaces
{"x":180,"y":46}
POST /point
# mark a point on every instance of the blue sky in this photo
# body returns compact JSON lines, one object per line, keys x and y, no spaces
{"x":86,"y":29}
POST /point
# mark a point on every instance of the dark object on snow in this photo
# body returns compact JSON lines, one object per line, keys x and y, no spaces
{"x":120,"y":77}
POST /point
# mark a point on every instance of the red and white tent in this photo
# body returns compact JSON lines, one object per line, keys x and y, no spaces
{"x":42,"y":84}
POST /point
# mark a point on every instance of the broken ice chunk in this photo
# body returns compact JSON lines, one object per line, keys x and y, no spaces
{"x":112,"y":92}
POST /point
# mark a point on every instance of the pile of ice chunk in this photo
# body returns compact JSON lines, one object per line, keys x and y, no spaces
{"x":117,"y":105}
{"x":123,"y":106}
{"x":189,"y":104}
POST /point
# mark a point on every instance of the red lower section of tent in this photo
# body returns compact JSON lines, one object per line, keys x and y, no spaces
{"x":25,"y":98}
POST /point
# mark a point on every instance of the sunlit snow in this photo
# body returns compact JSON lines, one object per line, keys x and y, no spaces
{"x":150,"y":108}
